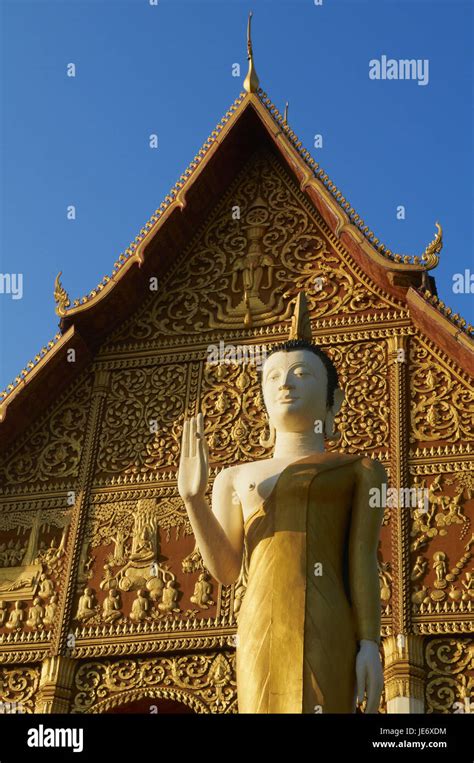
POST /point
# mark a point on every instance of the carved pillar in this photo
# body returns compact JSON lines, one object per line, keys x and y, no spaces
{"x":59,"y":643}
{"x":55,"y":686}
{"x":402,"y":665}
{"x":404,"y":674}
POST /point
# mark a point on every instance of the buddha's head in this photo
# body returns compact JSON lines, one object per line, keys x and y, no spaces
{"x":300,"y":388}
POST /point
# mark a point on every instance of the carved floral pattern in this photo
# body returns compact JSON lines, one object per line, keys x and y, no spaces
{"x":206,"y":682}
{"x":52,"y":450}
{"x":203,"y":289}
{"x":442,"y":406}
{"x":450,"y":679}
{"x":140,"y":426}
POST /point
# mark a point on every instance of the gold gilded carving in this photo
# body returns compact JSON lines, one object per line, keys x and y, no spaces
{"x":169,"y":598}
{"x":238,"y":269}
{"x":450,"y":680}
{"x":205,"y":682}
{"x":18,"y":686}
{"x":52,"y":448}
{"x":193,"y":561}
{"x":364,"y":417}
{"x":442,"y":510}
{"x":140,"y":422}
{"x":105,"y":520}
{"x":202,"y":592}
{"x":111,"y":607}
{"x":17,"y":617}
{"x":35,"y":614}
{"x":24,"y":565}
{"x":385,"y":578}
{"x":55,"y":685}
{"x":132,"y":529}
{"x":430,"y":255}
{"x":404,"y":673}
{"x":140,"y":607}
{"x":419,"y":568}
{"x":86,"y":607}
{"x":432,"y":521}
{"x":232,"y":409}
{"x":442,"y":406}
{"x":61,"y":297}
{"x":51,"y":610}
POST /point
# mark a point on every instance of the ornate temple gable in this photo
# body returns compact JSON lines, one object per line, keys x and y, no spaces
{"x":262,"y":242}
{"x":47,"y":456}
{"x":442,"y":400}
{"x":359,"y":271}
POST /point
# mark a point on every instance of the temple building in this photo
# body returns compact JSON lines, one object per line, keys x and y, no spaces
{"x":105,"y":603}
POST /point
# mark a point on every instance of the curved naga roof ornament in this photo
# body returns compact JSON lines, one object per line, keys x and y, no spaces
{"x":430,"y":255}
{"x":61,"y":297}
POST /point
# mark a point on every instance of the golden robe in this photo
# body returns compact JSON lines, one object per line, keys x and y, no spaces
{"x":312,"y":588}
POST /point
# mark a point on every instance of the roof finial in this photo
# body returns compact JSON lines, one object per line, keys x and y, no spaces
{"x":251,"y":82}
{"x":430,"y":255}
{"x":61,"y":297}
{"x":285,"y":115}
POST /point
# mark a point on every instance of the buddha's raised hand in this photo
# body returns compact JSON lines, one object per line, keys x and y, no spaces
{"x":193,"y":471}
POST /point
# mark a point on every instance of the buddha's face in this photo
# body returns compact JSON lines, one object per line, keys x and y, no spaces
{"x":295,"y":390}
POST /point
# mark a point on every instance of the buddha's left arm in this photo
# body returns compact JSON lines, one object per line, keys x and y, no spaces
{"x":366,"y":520}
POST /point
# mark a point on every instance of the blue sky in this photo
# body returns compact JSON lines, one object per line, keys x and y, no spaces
{"x":167,"y":69}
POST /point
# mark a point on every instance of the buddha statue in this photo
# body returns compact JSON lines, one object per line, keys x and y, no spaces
{"x":301,"y":524}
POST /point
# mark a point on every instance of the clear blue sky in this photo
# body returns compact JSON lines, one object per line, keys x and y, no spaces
{"x":167,"y":69}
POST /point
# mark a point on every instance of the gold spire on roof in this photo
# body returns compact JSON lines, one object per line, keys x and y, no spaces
{"x":285,"y":116}
{"x":251,"y":82}
{"x":300,"y":321}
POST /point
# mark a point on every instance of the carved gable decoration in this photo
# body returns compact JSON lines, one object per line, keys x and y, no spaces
{"x":262,"y":241}
{"x":50,"y":451}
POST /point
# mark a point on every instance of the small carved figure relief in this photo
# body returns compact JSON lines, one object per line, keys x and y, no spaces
{"x":140,"y":607}
{"x":17,"y":616}
{"x":51,"y":610}
{"x":111,"y":606}
{"x":202,"y":592}
{"x":170,"y":597}
{"x":85,"y":607}
{"x":35,"y":614}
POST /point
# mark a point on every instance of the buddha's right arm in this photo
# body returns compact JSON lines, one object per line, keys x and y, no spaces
{"x":218,"y":531}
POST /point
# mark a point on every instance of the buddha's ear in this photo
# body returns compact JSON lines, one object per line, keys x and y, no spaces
{"x":339,"y":397}
{"x":331,"y":413}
